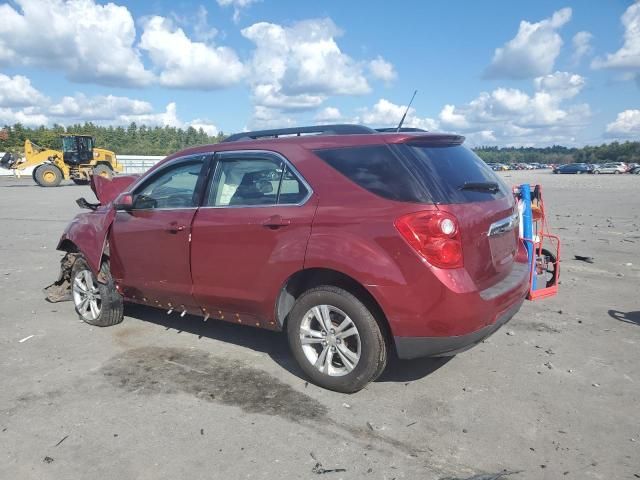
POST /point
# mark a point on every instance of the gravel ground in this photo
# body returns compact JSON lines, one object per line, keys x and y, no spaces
{"x":554,"y":394}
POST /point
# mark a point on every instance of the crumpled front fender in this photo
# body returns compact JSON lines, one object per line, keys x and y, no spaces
{"x":88,"y":233}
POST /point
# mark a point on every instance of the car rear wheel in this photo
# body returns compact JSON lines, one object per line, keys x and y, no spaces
{"x":617,"y":172}
{"x":96,"y":303}
{"x":336,"y":340}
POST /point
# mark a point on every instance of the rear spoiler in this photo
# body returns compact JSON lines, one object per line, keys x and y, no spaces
{"x":423,"y":138}
{"x":106,"y":190}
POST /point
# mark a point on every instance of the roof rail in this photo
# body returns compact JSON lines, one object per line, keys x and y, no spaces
{"x":402,"y":129}
{"x":342,"y":129}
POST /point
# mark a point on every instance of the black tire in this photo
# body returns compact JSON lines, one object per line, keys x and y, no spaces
{"x":373,"y":348}
{"x":47,"y":175}
{"x":550,"y":273}
{"x":617,"y":172}
{"x":111,"y":304}
{"x":80,"y":181}
{"x":102,"y":170}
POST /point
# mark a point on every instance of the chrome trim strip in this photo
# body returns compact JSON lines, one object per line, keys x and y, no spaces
{"x":503,"y":226}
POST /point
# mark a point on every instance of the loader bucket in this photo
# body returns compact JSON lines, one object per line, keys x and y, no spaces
{"x":8,"y":160}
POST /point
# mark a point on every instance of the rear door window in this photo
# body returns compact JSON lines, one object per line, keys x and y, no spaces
{"x":251,"y":180}
{"x":417,"y":172}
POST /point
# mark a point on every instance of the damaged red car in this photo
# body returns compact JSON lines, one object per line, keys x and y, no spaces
{"x":358,"y":244}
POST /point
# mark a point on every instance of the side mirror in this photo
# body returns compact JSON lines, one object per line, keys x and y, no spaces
{"x":123,"y":202}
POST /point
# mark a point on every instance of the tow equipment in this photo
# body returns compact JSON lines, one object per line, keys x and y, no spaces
{"x":543,"y":248}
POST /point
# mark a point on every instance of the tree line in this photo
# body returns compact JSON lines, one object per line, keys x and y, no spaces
{"x":131,"y":140}
{"x":143,"y":140}
{"x":627,"y":152}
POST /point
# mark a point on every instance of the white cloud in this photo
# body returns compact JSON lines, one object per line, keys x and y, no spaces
{"x":297,"y":67}
{"x":533,"y":51}
{"x":628,"y":56}
{"x":265,"y":117}
{"x":387,"y":114}
{"x":328,"y":115}
{"x":98,"y":108}
{"x":581,"y":46}
{"x":168,"y":118}
{"x":88,"y":41}
{"x":184,"y":63}
{"x":512,"y":116}
{"x":449,"y":116}
{"x":238,"y":6}
{"x":626,"y":125}
{"x":208,"y":127}
{"x":29,"y":116}
{"x":382,"y":70}
{"x":561,"y":84}
{"x":17,"y":91}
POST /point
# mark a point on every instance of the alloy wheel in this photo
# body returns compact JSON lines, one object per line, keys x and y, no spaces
{"x":86,"y":295}
{"x":330,"y":340}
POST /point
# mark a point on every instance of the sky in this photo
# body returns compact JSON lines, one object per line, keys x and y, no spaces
{"x":499,"y":72}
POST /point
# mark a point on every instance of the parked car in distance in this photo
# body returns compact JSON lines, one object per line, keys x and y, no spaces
{"x":358,"y":244}
{"x":498,"y":167}
{"x":615,"y":168}
{"x":574,"y":168}
{"x":635,"y":170}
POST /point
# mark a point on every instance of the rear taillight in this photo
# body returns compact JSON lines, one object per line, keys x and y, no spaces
{"x":435,"y":235}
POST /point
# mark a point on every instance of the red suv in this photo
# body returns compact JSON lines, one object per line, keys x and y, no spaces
{"x":357,"y":243}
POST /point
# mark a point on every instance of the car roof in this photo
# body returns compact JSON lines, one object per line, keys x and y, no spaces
{"x":318,"y":140}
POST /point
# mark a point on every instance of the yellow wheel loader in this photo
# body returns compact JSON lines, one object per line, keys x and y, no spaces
{"x":77,"y":160}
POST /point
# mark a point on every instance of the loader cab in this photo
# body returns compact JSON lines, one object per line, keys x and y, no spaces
{"x":77,"y":149}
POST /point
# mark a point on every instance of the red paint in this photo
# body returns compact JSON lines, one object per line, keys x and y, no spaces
{"x":236,"y":263}
{"x":239,"y":264}
{"x":107,"y":190}
{"x":150,"y":254}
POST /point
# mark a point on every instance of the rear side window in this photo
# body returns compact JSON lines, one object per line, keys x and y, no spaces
{"x":377,"y":169}
{"x":417,"y":173}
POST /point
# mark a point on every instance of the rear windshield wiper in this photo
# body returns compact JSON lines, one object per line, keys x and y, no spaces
{"x":491,"y":187}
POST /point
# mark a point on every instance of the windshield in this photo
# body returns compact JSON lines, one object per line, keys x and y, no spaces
{"x":68,"y":144}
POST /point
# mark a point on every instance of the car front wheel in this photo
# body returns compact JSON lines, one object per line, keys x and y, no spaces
{"x":336,"y":340}
{"x":96,"y":303}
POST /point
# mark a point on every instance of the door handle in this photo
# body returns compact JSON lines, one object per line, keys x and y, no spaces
{"x":276,"y":221}
{"x":175,"y":228}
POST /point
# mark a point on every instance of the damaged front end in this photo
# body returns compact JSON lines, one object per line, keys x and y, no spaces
{"x":60,"y":290}
{"x":86,"y":235}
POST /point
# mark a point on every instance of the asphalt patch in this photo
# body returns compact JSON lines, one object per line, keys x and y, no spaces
{"x":158,"y":370}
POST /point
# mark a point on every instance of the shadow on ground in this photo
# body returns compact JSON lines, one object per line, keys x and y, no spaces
{"x":627,"y":317}
{"x":273,"y":344}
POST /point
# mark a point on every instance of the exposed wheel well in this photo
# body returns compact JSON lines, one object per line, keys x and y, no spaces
{"x":304,"y":280}
{"x":68,"y":246}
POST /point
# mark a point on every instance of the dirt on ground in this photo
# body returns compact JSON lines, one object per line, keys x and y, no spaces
{"x":552,"y":395}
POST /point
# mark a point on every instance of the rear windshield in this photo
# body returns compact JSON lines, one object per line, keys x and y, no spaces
{"x":417,"y":173}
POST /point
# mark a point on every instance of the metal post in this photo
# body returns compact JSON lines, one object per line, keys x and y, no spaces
{"x":527,"y":228}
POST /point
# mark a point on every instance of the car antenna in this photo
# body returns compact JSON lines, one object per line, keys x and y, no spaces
{"x":406,"y":111}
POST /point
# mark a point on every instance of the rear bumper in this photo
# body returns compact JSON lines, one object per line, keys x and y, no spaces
{"x":416,"y":347}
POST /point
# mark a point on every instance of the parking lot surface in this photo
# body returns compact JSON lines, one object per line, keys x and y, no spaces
{"x":554,"y":394}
